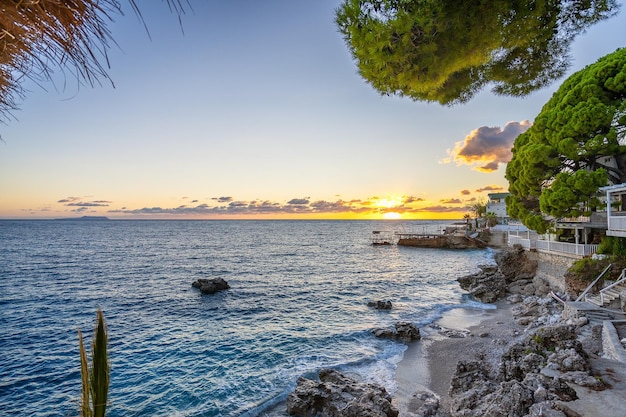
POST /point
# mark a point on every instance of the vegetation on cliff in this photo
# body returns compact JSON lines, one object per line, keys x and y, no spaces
{"x":584,"y":271}
{"x":575,"y":146}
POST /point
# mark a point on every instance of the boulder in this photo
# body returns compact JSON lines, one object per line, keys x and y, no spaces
{"x":514,"y":264}
{"x":380,"y":304}
{"x":403,"y":330}
{"x":488,"y":285}
{"x":337,"y":395}
{"x":210,"y":286}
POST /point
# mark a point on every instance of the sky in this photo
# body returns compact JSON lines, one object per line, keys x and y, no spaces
{"x":255,"y":110}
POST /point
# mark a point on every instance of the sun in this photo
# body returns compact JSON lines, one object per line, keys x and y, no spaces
{"x":392,"y":215}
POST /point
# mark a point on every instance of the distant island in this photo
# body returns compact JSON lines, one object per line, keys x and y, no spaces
{"x":86,"y":218}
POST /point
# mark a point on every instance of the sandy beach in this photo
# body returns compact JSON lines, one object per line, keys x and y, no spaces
{"x":429,"y":364}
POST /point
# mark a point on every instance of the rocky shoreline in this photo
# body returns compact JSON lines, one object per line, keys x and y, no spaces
{"x":521,"y":359}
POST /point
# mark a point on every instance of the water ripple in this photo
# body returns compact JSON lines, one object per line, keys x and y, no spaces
{"x":297,"y":303}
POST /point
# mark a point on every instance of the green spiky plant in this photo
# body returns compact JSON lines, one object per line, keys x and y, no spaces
{"x":95,"y":379}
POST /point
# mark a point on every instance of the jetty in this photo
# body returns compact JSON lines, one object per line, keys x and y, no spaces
{"x":445,"y":241}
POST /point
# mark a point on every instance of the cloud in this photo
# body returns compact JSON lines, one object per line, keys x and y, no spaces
{"x":465,"y":192}
{"x":237,"y":207}
{"x":490,"y":188}
{"x":78,"y":202}
{"x":68,"y":200}
{"x":228,"y":206}
{"x":485,"y":148}
{"x":299,"y":201}
{"x":441,"y":209}
{"x":411,"y":199}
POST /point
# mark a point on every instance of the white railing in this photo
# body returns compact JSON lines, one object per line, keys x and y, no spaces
{"x":579,"y":219}
{"x":517,"y":240}
{"x":620,"y":280}
{"x":595,"y":281}
{"x":617,"y":223}
{"x":551,"y":246}
{"x":567,"y":248}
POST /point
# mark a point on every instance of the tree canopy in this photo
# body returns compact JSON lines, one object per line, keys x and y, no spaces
{"x":446,"y":50}
{"x":576,"y":145}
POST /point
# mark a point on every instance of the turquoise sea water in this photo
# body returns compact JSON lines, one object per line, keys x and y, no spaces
{"x":297,"y":303}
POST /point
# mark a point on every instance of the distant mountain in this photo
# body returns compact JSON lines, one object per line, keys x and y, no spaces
{"x":89,"y":218}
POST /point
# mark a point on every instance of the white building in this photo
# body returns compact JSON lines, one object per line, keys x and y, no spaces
{"x":497,"y":206}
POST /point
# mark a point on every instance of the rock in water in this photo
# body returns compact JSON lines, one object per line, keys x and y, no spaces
{"x":210,"y":286}
{"x":336,"y":395}
{"x":380,"y":304}
{"x":403,"y":331}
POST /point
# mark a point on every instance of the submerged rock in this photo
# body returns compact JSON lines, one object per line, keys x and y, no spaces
{"x":210,"y":286}
{"x":336,"y":395}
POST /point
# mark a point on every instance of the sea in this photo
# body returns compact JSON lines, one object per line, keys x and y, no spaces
{"x":298,"y":303}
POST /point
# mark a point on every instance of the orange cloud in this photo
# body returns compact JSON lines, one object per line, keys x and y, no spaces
{"x":490,"y":188}
{"x":485,"y":148}
{"x":298,"y":207}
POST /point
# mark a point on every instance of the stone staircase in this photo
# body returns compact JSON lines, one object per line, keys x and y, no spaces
{"x":597,"y":316}
{"x":607,"y":296}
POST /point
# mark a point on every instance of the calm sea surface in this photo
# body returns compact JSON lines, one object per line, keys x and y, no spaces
{"x":297,"y":303}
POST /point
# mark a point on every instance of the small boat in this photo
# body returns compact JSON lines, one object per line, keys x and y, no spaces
{"x":381,"y":237}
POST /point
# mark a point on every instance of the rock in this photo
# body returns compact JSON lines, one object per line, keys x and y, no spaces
{"x":336,"y":395}
{"x":542,"y":288}
{"x":210,"y":286}
{"x":403,"y":331}
{"x":545,"y":409}
{"x":467,"y":375}
{"x":514,"y":264}
{"x":424,"y":404}
{"x":380,"y":305}
{"x":488,"y":285}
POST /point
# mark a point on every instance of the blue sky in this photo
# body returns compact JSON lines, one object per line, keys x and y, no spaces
{"x":251,"y":108}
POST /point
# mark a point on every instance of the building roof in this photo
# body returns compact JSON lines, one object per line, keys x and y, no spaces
{"x":498,"y":195}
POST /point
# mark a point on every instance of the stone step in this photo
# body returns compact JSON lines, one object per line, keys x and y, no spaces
{"x":597,"y":316}
{"x":611,"y":293}
{"x":593,"y":299}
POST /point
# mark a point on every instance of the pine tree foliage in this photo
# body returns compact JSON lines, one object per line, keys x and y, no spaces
{"x":447,"y":50}
{"x":576,"y":145}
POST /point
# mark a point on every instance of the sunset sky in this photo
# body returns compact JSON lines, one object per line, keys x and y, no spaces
{"x":255,"y":109}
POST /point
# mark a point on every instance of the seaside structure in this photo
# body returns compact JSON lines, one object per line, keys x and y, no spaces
{"x":615,"y":210}
{"x":497,"y":206}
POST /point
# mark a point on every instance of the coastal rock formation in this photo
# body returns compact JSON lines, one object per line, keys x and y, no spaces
{"x":515,"y":264}
{"x":533,"y":375}
{"x":336,"y":395}
{"x":441,"y":241}
{"x":403,"y":330}
{"x":380,"y":304}
{"x":514,"y":273}
{"x":210,"y":286}
{"x":488,"y":285}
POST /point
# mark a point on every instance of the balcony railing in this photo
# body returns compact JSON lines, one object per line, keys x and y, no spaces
{"x":570,"y":249}
{"x":617,"y":221}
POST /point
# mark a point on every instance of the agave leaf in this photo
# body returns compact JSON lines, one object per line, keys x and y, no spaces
{"x":85,"y":411}
{"x":100,"y":368}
